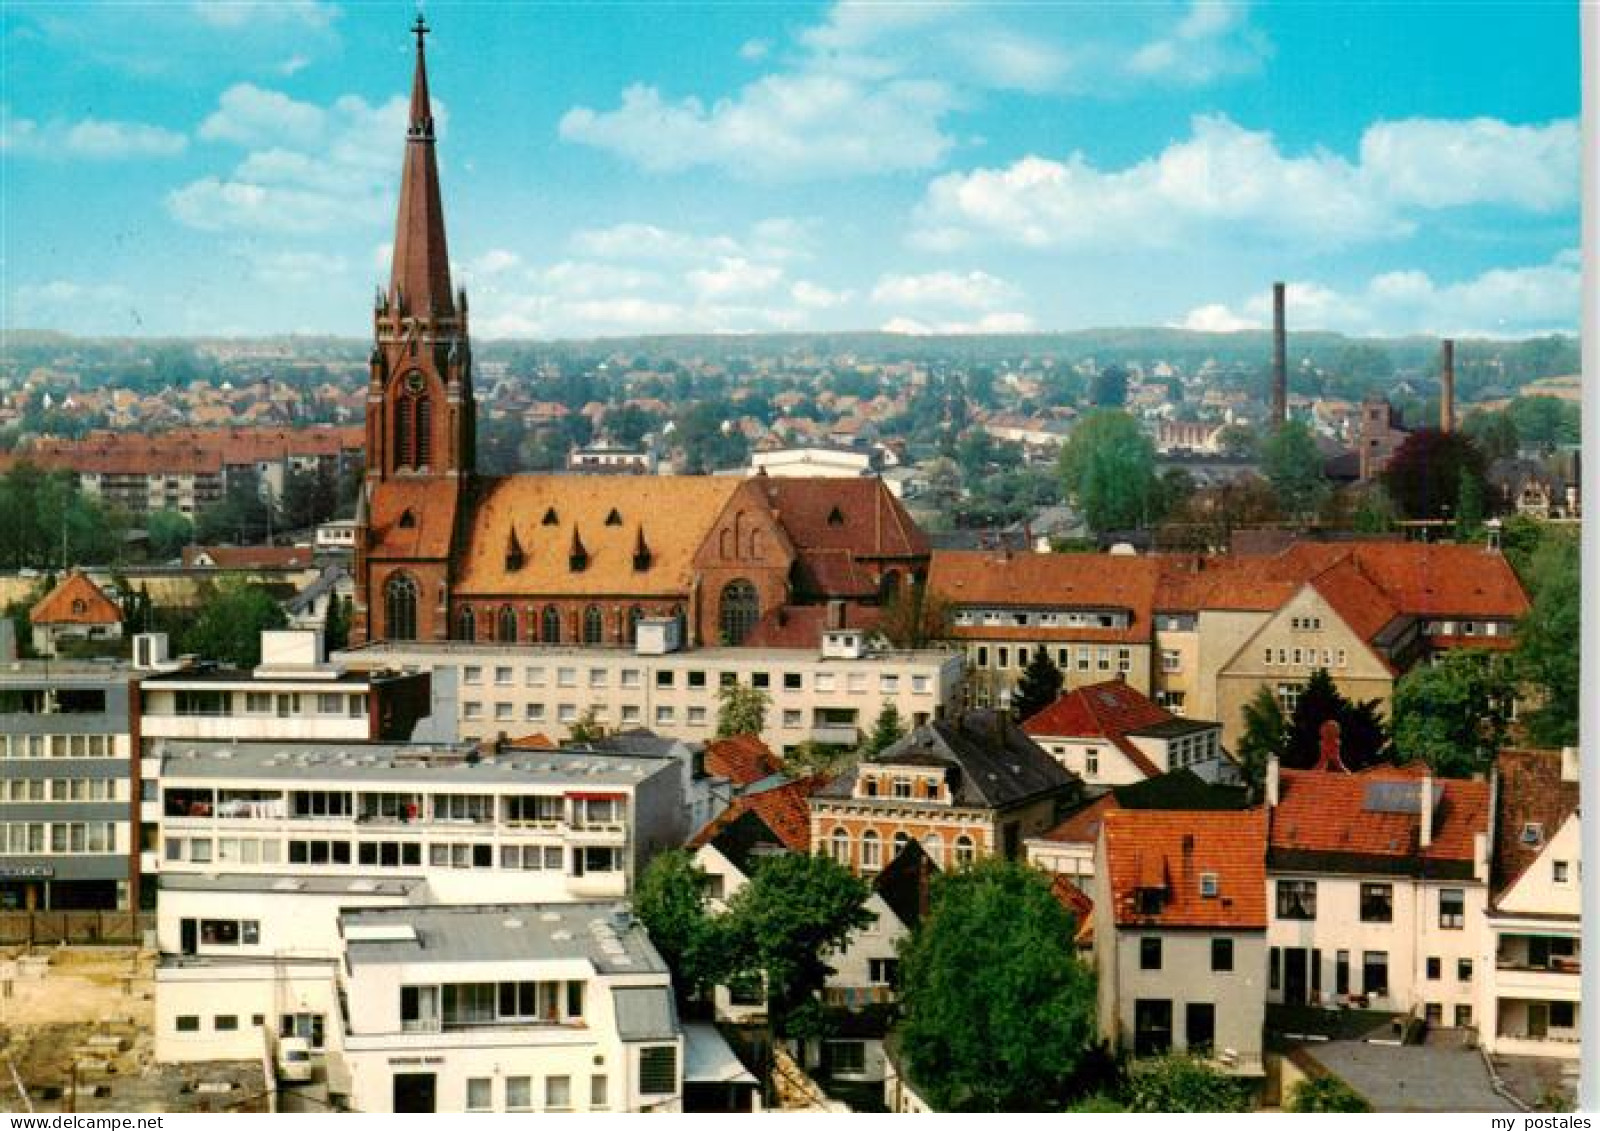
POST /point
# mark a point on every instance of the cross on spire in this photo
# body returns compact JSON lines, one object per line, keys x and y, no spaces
{"x":420,"y":28}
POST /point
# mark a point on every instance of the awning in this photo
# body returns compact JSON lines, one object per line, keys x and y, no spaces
{"x":708,"y":1059}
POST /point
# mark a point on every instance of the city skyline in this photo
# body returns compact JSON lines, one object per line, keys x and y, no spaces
{"x":231,"y":169}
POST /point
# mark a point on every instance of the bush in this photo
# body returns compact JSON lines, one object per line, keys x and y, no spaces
{"x":1326,"y":1094}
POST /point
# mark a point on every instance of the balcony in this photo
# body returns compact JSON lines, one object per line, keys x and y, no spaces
{"x":836,"y":734}
{"x":1537,"y":982}
{"x":855,"y":997}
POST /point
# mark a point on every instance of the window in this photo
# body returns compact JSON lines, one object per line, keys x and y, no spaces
{"x":1560,"y":871}
{"x":400,"y":607}
{"x":187,"y":1024}
{"x":1463,"y":1017}
{"x":844,"y":1058}
{"x":507,"y":627}
{"x":519,"y":1093}
{"x":1200,"y":1026}
{"x":597,"y":1092}
{"x":871,"y":852}
{"x":226,"y":1022}
{"x":1171,"y":660}
{"x":1288,"y":693}
{"x":1463,"y":969}
{"x":1341,"y":972}
{"x":840,"y":846}
{"x":1152,"y":1027}
{"x":1208,"y":885}
{"x":1452,"y":908}
{"x":1091,"y":761}
{"x":1433,"y":1013}
{"x":558,"y":1093}
{"x":1222,"y":955}
{"x":738,"y":611}
{"x":1434,"y":968}
{"x":1297,"y":899}
{"x":466,"y":624}
{"x":1377,"y":903}
{"x":883,"y":971}
{"x":550,"y":625}
{"x":658,"y":1070}
{"x":965,"y":852}
{"x":1149,"y":954}
{"x":1375,"y":973}
{"x":1563,"y":1015}
{"x":593,"y":625}
{"x":480,"y":1094}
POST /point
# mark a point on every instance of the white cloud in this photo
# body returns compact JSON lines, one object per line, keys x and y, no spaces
{"x":495,"y":261}
{"x":1436,"y":164}
{"x":317,"y":167}
{"x":732,"y":278}
{"x":71,"y":305}
{"x":647,"y":241}
{"x":814,"y":297}
{"x":1212,"y":41}
{"x":947,"y":290}
{"x":1007,"y":322}
{"x":96,"y":139}
{"x":244,"y":14}
{"x":754,"y":50}
{"x":294,"y":64}
{"x":294,"y":268}
{"x":1500,"y":302}
{"x":1229,"y":182}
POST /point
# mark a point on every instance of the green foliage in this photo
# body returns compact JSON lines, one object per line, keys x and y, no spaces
{"x":1182,"y":1083}
{"x":1547,"y":652}
{"x":1238,"y":440}
{"x":48,"y":522}
{"x":336,"y":629}
{"x":586,"y":728}
{"x":886,"y":731}
{"x":808,"y":757}
{"x":1110,"y":388}
{"x":1495,"y":433}
{"x":1326,"y":1094}
{"x":915,"y":617}
{"x":1376,"y":513}
{"x":742,"y":710}
{"x":997,"y":1009}
{"x":1546,"y":421}
{"x":1469,"y":509}
{"x":1362,"y":737}
{"x":1266,"y":732}
{"x":1039,"y":686}
{"x":670,"y":900}
{"x":1424,"y":475}
{"x":795,"y":909}
{"x":309,"y":497}
{"x":240,"y":517}
{"x":1108,"y":465}
{"x":232,"y":618}
{"x":1452,"y":714}
{"x":169,"y":532}
{"x":1293,"y":465}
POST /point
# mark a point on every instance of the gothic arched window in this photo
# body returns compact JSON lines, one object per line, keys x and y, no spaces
{"x":593,"y":625}
{"x":400,"y":608}
{"x":507,"y":631}
{"x":739,"y":611}
{"x":550,"y":625}
{"x":635,"y":615}
{"x":404,"y":430}
{"x":424,"y":452}
{"x":466,"y":624}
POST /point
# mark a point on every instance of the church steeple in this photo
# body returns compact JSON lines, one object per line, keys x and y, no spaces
{"x":420,"y":282}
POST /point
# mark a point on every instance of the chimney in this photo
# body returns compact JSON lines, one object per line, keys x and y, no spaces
{"x":1280,"y":360}
{"x":835,"y":615}
{"x":1447,"y":385}
{"x":1328,"y":760}
{"x":1272,"y":781}
{"x":1569,"y":763}
{"x":1425,"y":812}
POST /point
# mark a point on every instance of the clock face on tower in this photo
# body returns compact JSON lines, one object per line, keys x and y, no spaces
{"x":414,"y":382}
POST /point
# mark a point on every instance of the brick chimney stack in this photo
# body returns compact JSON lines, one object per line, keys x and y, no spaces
{"x":1425,"y":812}
{"x":1447,"y":385}
{"x":1280,"y":360}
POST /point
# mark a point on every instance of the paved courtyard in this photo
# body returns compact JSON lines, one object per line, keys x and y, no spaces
{"x":1425,"y":1078}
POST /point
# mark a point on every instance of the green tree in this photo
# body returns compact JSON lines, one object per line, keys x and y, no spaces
{"x":1039,"y":686}
{"x":1326,"y":1094}
{"x":742,"y":710}
{"x":1266,"y":732}
{"x":169,"y":532}
{"x":1424,"y":476}
{"x":242,"y":516}
{"x":1108,"y":465}
{"x":1178,"y":1082}
{"x":1469,"y":509}
{"x":997,"y":1010}
{"x":336,"y":628}
{"x":915,"y":617}
{"x":1546,"y":421}
{"x":1110,"y":389}
{"x":1238,"y":440}
{"x":1293,"y":465}
{"x":794,"y":910}
{"x":232,"y":617}
{"x":1547,"y":651}
{"x":670,"y":900}
{"x":586,"y":729}
{"x":1495,"y":433}
{"x":1452,"y":714}
{"x":1362,"y":737}
{"x":886,"y":731}
{"x":1375,"y":513}
{"x":808,"y":757}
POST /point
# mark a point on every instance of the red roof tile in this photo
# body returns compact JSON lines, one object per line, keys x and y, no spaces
{"x":1109,"y":710}
{"x":801,"y":626}
{"x":1094,"y":581}
{"x":1171,"y":849}
{"x":1532,"y":790}
{"x":76,"y":600}
{"x":1334,"y":814}
{"x":743,"y":759}
{"x":858,"y":515}
{"x":783,"y":809}
{"x":412,"y":518}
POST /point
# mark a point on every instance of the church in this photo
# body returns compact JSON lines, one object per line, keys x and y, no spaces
{"x":443,"y":553}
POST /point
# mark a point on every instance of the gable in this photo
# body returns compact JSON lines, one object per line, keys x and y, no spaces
{"x":1332,"y":635}
{"x":745,"y":533}
{"x":1535,"y":892}
{"x":76,"y":600}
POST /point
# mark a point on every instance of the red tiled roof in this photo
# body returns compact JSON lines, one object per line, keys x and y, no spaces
{"x":76,"y":600}
{"x":743,"y":759}
{"x":1075,"y":900}
{"x":1531,"y":790}
{"x":1171,"y":849}
{"x":1083,"y":827}
{"x":1107,"y":710}
{"x":431,"y":505}
{"x":783,"y":810}
{"x":1328,"y":813}
{"x":531,"y":742}
{"x":1094,"y":581}
{"x":858,"y":515}
{"x":801,"y":626}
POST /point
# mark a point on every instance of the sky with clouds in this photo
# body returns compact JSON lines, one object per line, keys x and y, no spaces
{"x":231,"y":167}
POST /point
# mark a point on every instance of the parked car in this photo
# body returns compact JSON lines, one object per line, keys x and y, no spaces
{"x":294,"y":1060}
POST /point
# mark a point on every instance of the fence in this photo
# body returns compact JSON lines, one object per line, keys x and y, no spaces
{"x":44,"y":928}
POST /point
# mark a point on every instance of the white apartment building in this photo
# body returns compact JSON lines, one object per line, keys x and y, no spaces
{"x":507,"y":1008}
{"x":830,"y":696}
{"x":1532,"y":1001}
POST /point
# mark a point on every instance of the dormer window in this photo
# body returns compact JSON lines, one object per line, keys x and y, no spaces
{"x":1208,"y":885}
{"x":514,"y":554}
{"x":869,"y":787}
{"x":1147,"y":901}
{"x":407,"y":520}
{"x":835,"y":517}
{"x":550,"y":518}
{"x":613,"y":519}
{"x":902,"y":788}
{"x":578,"y":555}
{"x":1532,"y":833}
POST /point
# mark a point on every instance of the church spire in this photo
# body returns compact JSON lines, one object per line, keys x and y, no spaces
{"x":421,"y":277}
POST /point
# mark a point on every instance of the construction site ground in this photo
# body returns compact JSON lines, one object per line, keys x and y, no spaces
{"x":76,"y":1034}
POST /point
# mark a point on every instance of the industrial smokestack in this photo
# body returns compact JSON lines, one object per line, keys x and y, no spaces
{"x":1447,"y":385}
{"x":1280,"y":360}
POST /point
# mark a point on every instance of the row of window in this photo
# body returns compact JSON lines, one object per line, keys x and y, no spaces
{"x":505,"y":626}
{"x":631,"y":679}
{"x":281,"y":704}
{"x":1306,"y":657}
{"x":57,"y":746}
{"x":519,"y":1093}
{"x":64,"y":789}
{"x":840,"y":847}
{"x":1032,"y":618}
{"x":61,"y":838}
{"x":1100,"y":657}
{"x":374,"y":854}
{"x":1221,"y":954}
{"x":403,"y":808}
{"x":469,"y":1004}
{"x":1297,"y":899}
{"x":629,"y":715}
{"x":1374,"y":972}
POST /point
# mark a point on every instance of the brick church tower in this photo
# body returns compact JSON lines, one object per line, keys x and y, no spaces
{"x":420,"y":410}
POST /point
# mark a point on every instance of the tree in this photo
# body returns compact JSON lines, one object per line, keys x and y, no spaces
{"x":997,"y":1010}
{"x":1326,"y":1094}
{"x":232,"y":617}
{"x":586,"y":729}
{"x":795,"y":909}
{"x":1469,"y":509}
{"x":1265,"y":734}
{"x":1108,"y":464}
{"x":1179,"y":1082}
{"x":886,"y":731}
{"x":1238,"y":441}
{"x":670,"y":900}
{"x":241,"y":516}
{"x":1039,"y":686}
{"x":336,"y":628}
{"x":169,"y":532}
{"x":1361,"y":732}
{"x":1375,"y":514}
{"x":1547,"y":651}
{"x":1545,"y":421}
{"x":1293,"y":465}
{"x":1110,"y":389}
{"x":1452,"y":714}
{"x":1495,"y":433}
{"x":1424,"y":475}
{"x":808,"y":757}
{"x":915,"y":617}
{"x":743,"y":710}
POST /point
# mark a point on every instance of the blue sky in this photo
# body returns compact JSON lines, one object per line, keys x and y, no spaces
{"x":231,"y":168}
